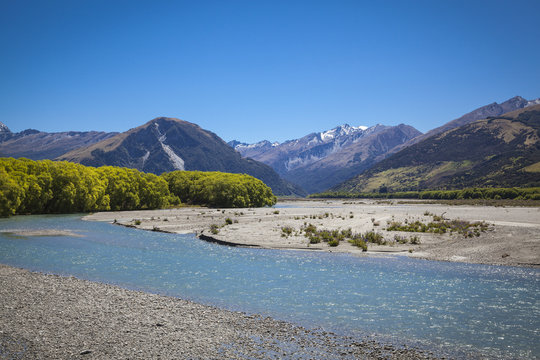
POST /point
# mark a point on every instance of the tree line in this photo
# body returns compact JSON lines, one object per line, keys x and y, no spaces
{"x":219,"y":189}
{"x":45,"y":187}
{"x":469,"y":193}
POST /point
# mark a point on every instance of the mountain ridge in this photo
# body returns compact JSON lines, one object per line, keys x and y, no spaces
{"x":166,"y":144}
{"x":493,"y":109}
{"x":351,"y":159}
{"x":302,"y":160}
{"x":37,"y":145}
{"x":500,"y":151}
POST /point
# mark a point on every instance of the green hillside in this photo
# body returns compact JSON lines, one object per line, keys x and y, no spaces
{"x":501,"y":151}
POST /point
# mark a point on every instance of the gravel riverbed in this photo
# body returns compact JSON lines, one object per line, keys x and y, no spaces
{"x":513,"y":237}
{"x":55,"y":317}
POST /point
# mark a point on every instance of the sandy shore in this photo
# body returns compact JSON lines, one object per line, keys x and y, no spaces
{"x":53,"y":317}
{"x":514,"y":238}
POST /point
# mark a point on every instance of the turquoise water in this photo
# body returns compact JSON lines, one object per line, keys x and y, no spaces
{"x":488,"y":310}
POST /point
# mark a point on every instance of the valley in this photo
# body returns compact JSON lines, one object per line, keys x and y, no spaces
{"x":257,"y":180}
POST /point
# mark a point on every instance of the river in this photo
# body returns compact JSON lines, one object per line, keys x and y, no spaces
{"x":456,"y":308}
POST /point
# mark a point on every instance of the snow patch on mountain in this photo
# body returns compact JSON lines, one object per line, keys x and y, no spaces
{"x":299,"y":161}
{"x":4,"y":128}
{"x":306,"y":150}
{"x":533,"y":102}
{"x":341,"y":131}
{"x":238,"y":146}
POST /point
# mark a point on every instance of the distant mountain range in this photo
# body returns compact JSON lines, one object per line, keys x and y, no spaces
{"x":168,"y":144}
{"x":320,"y":160}
{"x":37,"y":145}
{"x":500,"y":151}
{"x":469,"y":151}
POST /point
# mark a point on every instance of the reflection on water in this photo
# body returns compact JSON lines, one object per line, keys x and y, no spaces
{"x":490,"y":309}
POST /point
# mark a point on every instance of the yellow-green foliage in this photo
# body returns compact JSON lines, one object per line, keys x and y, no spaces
{"x":40,"y":187}
{"x":43,"y":187}
{"x":219,"y":189}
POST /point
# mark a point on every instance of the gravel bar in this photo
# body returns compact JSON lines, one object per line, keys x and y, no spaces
{"x":56,"y":317}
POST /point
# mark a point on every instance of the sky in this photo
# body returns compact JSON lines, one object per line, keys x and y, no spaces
{"x":254,"y":70}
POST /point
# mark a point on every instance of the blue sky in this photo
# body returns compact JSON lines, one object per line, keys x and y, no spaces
{"x":253,"y":70}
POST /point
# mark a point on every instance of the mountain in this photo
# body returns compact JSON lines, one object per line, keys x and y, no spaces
{"x":293,"y":154}
{"x":167,"y":144}
{"x":4,"y":129}
{"x":500,"y":151}
{"x":37,"y":145}
{"x":351,"y":159}
{"x":493,"y":109}
{"x":253,"y":150}
{"x":320,"y":160}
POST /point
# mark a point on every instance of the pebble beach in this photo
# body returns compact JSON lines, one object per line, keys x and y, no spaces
{"x":54,"y":317}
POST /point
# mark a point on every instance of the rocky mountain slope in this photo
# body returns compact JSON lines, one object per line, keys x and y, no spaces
{"x":500,"y":151}
{"x":493,"y":109}
{"x":320,"y":160}
{"x":38,"y":145}
{"x":351,"y":159}
{"x":167,"y":144}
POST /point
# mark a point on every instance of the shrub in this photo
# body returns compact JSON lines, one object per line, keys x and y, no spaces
{"x":347,"y":233}
{"x":358,"y":242}
{"x":400,"y":239}
{"x":214,"y":229}
{"x":373,"y":237}
{"x":286,"y":231}
{"x":333,"y":242}
{"x":442,"y":226}
{"x":309,"y":229}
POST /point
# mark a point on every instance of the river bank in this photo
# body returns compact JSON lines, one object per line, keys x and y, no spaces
{"x":54,"y":317}
{"x":513,"y":237}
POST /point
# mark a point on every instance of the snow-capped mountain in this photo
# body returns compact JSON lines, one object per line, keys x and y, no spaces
{"x":342,"y":132}
{"x":533,"y":102}
{"x":4,"y":128}
{"x":244,"y":147}
{"x":292,"y":157}
{"x":305,"y":150}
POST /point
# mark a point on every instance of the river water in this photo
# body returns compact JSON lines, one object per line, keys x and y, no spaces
{"x":466,"y":309}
